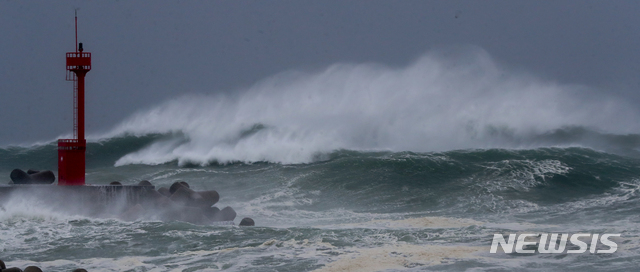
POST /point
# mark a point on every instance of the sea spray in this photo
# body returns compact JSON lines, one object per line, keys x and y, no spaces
{"x":436,"y":103}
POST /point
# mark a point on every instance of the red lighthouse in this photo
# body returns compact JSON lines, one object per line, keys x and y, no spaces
{"x":71,"y":152}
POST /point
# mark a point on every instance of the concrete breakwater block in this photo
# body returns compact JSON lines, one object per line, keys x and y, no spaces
{"x":32,"y":177}
{"x":127,"y":202}
{"x":88,"y":200}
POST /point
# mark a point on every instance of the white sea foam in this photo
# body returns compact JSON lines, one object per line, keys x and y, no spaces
{"x":521,"y":174}
{"x":424,"y":222}
{"x":399,"y":257}
{"x":436,"y":103}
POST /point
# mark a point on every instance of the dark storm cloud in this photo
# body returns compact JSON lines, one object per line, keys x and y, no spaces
{"x":146,"y":52}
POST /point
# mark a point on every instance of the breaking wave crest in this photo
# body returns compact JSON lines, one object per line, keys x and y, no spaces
{"x":443,"y":101}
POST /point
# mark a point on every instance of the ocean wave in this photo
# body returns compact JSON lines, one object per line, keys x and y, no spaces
{"x":439,"y":102}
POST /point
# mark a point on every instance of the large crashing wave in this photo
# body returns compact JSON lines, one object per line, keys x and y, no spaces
{"x":440,"y":102}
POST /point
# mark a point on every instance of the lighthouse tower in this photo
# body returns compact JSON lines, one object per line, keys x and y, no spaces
{"x":71,"y":152}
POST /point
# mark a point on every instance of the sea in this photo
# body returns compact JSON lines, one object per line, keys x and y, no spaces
{"x":355,"y":167}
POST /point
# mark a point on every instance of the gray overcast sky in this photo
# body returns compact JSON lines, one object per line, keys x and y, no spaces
{"x":145,"y":52}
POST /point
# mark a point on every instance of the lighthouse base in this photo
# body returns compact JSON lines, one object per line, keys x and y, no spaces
{"x":71,"y":165}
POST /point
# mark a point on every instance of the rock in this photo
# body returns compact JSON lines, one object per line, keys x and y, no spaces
{"x":2,"y":265}
{"x":164,"y":191}
{"x":40,"y":177}
{"x":247,"y":222}
{"x":209,"y":198}
{"x":144,"y":183}
{"x":180,"y":195}
{"x":227,"y":214}
{"x":216,"y":215}
{"x":31,"y":171}
{"x":20,"y":177}
{"x":115,"y":183}
{"x":156,"y":203}
{"x":176,"y":185}
{"x":210,"y":212}
{"x":12,"y":269}
{"x":79,"y":270}
{"x":187,"y":197}
{"x":32,"y":269}
{"x":43,"y":177}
